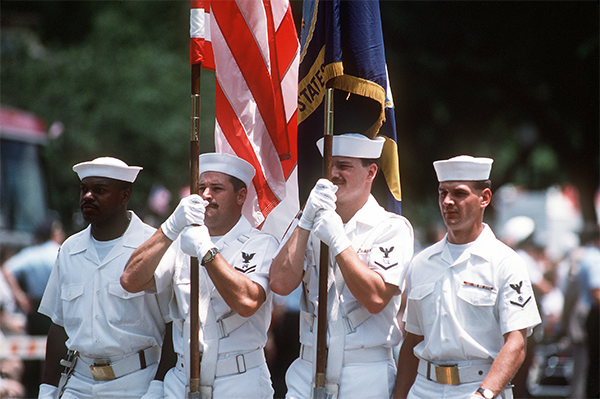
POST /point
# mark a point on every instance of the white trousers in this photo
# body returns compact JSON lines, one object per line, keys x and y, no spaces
{"x":130,"y":386}
{"x":255,"y":383}
{"x":358,"y":380}
{"x":425,"y":389}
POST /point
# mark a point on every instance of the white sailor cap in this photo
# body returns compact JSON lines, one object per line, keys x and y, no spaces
{"x":517,"y":229}
{"x":463,"y":168}
{"x":112,"y":168}
{"x":228,"y":164}
{"x":354,"y":145}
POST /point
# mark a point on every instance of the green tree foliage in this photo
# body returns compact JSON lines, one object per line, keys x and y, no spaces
{"x":120,"y":86}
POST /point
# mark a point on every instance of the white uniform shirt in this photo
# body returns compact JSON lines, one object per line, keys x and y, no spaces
{"x":384,"y":242}
{"x":85,"y":297}
{"x":464,"y":307}
{"x":252,"y":258}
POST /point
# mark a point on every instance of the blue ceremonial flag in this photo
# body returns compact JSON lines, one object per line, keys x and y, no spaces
{"x":390,"y":161}
{"x":342,"y":47}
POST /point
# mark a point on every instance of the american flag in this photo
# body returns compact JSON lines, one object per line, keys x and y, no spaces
{"x":253,"y":48}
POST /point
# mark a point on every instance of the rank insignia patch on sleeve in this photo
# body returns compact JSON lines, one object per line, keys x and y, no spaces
{"x":521,"y":301}
{"x":386,"y":258}
{"x":246,"y":268}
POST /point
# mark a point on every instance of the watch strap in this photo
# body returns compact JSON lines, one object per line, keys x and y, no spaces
{"x":209,"y":256}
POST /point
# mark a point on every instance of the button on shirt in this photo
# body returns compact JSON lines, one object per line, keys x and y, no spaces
{"x":384,"y":242}
{"x":464,"y":307}
{"x":248,"y":251}
{"x":85,"y":297}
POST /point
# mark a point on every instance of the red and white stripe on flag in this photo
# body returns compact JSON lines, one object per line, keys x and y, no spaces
{"x":255,"y":50}
{"x":200,"y":45}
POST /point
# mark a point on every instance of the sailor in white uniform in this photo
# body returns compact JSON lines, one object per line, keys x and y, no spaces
{"x":470,"y":302}
{"x":114,"y":337}
{"x":235,"y":299}
{"x":369,"y":252}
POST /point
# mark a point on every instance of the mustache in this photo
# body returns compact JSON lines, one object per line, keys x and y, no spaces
{"x":337,"y":180}
{"x":87,"y":204}
{"x":212,"y":205}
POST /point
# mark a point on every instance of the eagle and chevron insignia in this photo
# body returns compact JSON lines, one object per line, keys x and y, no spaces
{"x":246,"y":268}
{"x":385,"y":265}
{"x":521,"y":302}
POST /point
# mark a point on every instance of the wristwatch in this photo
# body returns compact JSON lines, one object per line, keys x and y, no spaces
{"x":487,"y":394}
{"x":210,"y":255}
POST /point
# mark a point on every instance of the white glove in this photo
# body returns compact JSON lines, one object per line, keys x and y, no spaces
{"x":155,"y":390}
{"x":48,"y":391}
{"x":329,"y":228}
{"x":195,"y":241}
{"x":190,"y":211}
{"x":322,"y":196}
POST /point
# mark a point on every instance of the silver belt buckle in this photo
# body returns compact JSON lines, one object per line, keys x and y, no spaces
{"x":102,"y":370}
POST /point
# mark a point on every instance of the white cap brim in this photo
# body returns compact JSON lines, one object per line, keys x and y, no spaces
{"x":463,"y":168}
{"x":228,"y":164}
{"x":518,"y":229}
{"x":109,"y":167}
{"x":354,"y":145}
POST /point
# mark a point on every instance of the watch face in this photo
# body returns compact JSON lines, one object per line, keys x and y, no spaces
{"x":210,"y":255}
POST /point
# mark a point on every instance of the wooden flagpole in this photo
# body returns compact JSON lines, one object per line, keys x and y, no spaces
{"x":321,"y":360}
{"x":194,"y":383}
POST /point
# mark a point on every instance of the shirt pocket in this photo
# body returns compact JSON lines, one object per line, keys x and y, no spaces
{"x":476,"y":309}
{"x":128,"y":307}
{"x":422,"y":306}
{"x":70,"y":294}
